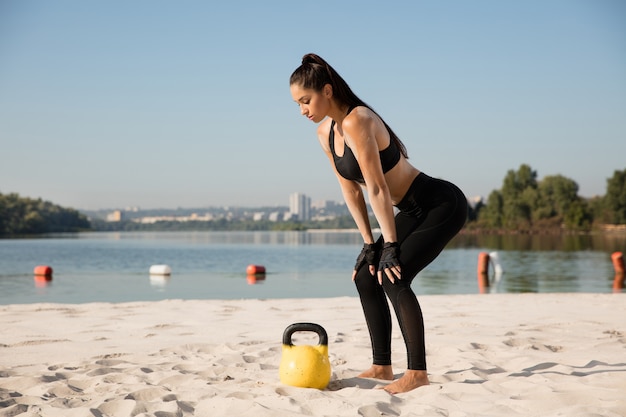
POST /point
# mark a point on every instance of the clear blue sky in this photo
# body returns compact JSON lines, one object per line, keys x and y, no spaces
{"x":186,"y":104}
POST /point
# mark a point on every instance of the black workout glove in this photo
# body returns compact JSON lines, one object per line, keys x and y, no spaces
{"x":367,"y":256}
{"x":389,"y":256}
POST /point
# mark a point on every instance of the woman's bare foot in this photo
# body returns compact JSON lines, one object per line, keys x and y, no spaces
{"x":407,"y":382}
{"x":378,"y":372}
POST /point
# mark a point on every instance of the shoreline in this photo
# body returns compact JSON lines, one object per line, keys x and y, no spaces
{"x":529,"y":354}
{"x":469,"y":229}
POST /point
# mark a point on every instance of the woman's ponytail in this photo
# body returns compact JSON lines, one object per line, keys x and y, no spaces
{"x":314,"y":73}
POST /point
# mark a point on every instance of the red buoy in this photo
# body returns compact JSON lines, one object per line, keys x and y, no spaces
{"x":255,"y":269}
{"x":43,"y":270}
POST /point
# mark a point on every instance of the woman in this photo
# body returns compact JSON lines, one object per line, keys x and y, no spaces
{"x":366,"y":154}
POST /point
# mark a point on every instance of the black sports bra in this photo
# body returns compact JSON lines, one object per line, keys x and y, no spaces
{"x":348,"y":166}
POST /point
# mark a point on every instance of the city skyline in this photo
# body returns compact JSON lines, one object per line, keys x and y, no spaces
{"x":163,"y":105}
{"x":294,"y":204}
{"x":300,"y":208}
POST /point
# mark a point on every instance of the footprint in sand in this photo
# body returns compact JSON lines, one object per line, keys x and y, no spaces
{"x":148,"y":394}
{"x":533,"y":344}
{"x":379,"y":409}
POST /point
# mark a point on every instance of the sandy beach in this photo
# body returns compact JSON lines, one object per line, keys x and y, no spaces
{"x":489,"y":355}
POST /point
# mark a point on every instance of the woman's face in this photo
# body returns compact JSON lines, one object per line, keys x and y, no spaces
{"x":313,"y":104}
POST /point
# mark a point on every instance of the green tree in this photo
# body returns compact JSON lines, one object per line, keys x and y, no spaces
{"x":491,"y":214}
{"x":33,"y":222}
{"x":20,"y":215}
{"x":578,"y":215}
{"x":518,"y":197}
{"x":524,"y":203}
{"x":556,"y":194}
{"x":615,"y":198}
{"x":599,"y":212}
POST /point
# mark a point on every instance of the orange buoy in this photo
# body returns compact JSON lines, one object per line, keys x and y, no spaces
{"x":483,"y":272}
{"x":255,"y":269}
{"x":43,"y":270}
{"x":618,"y":262}
{"x":483,"y":263}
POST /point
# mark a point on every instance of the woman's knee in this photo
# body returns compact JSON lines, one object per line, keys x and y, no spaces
{"x":393,"y":289}
{"x":365,"y":282}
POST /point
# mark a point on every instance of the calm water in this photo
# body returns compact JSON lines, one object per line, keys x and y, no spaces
{"x":113,"y":267}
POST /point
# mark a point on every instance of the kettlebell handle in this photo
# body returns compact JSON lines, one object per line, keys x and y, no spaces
{"x":304,"y":327}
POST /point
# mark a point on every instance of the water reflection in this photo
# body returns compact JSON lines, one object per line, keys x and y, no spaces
{"x":606,"y":242}
{"x":295,"y":238}
{"x":42,"y":281}
{"x":255,"y":278}
{"x":618,"y":282}
{"x":159,"y":282}
{"x":552,"y":271}
{"x":549,"y":263}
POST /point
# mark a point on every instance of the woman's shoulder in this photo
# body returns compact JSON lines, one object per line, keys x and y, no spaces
{"x":360,"y":115}
{"x":359,"y":118}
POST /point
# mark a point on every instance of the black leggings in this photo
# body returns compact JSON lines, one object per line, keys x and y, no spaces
{"x":431,"y":213}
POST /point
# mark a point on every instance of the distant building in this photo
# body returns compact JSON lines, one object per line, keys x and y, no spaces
{"x":319,"y":204}
{"x":325,"y":205}
{"x":300,"y":206}
{"x":116,"y":216}
{"x":274,"y":216}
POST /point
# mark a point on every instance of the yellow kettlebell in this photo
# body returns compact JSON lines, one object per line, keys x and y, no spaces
{"x":305,"y":366}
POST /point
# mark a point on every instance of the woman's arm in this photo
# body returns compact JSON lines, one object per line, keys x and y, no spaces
{"x":361,"y":128}
{"x":355,"y":200}
{"x":351,"y":191}
{"x":353,"y":196}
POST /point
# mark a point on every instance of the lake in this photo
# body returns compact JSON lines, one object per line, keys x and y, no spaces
{"x":114,"y":267}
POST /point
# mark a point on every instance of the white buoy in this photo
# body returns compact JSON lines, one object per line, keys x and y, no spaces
{"x":493,"y":257}
{"x":160,"y":270}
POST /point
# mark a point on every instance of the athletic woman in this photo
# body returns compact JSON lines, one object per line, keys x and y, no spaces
{"x":366,"y":154}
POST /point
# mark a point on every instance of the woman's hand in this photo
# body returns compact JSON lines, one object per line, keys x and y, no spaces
{"x":366,"y":257}
{"x":389,"y":262}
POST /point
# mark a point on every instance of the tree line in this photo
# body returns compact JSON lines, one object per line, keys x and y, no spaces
{"x":522,"y":204}
{"x":26,"y":216}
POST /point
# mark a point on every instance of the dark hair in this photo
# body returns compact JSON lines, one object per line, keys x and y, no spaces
{"x":314,"y":73}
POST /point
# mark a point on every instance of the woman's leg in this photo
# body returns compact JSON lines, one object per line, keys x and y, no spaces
{"x":377,"y":316}
{"x":422,"y":237}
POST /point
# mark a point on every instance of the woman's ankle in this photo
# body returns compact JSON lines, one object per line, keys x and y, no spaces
{"x":378,"y":372}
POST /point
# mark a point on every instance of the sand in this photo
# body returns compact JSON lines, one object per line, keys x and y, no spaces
{"x":488,"y":354}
